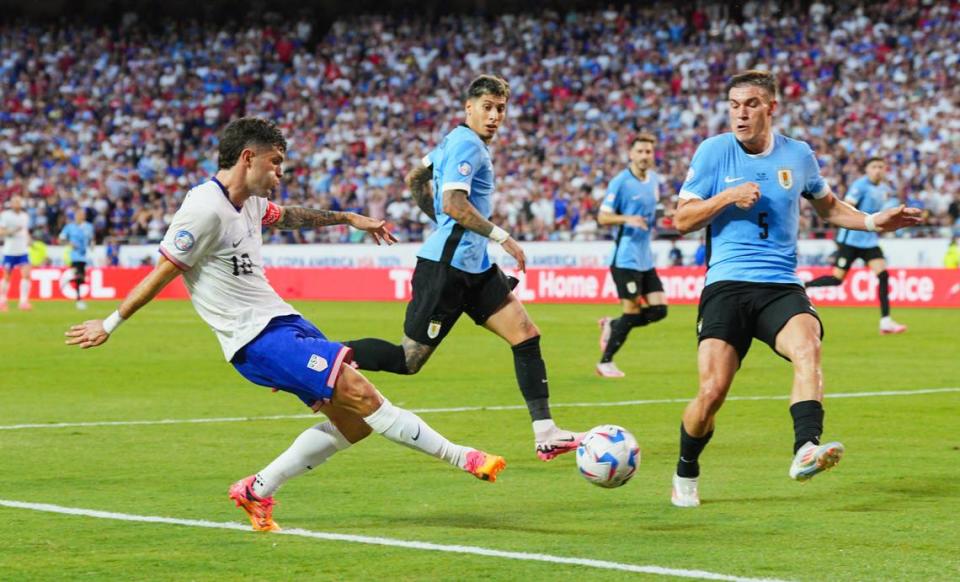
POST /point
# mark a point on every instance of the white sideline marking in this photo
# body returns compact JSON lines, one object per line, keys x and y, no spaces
{"x":464,"y":409}
{"x":379,"y":541}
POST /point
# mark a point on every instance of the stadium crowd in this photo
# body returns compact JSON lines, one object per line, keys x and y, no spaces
{"x":121,"y":121}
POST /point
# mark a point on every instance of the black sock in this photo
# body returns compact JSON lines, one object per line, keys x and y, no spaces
{"x":619,"y":329}
{"x":884,"y":292}
{"x":688,"y":466}
{"x":378,"y":355}
{"x":825,"y":281}
{"x":532,"y":377}
{"x":807,"y":423}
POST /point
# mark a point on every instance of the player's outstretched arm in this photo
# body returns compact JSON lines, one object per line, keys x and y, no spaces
{"x":418,"y":180}
{"x":294,"y":217}
{"x":94,"y":332}
{"x":605,"y":218}
{"x":693,"y":213}
{"x":842,"y":214}
{"x":458,"y":207}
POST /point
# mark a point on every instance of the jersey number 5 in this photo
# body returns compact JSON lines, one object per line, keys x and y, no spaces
{"x":242,"y":266}
{"x":762,"y":223}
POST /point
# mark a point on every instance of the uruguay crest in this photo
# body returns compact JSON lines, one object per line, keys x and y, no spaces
{"x":786,"y":178}
{"x":433,"y":330}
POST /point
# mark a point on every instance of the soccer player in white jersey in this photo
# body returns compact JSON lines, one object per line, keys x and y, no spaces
{"x":214,"y":242}
{"x":454,"y":274}
{"x":745,"y":188}
{"x":15,"y":230}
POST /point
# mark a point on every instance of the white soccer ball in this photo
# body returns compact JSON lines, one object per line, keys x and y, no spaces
{"x":608,"y":455}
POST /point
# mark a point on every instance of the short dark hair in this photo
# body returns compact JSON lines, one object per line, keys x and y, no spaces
{"x":755,"y":77}
{"x":488,"y":85}
{"x":246,"y":132}
{"x":872,"y":159}
{"x":643,"y":137}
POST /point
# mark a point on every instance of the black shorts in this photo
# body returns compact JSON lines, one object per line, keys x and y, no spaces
{"x":737,"y":311}
{"x":441,"y":293}
{"x":79,"y":269}
{"x":847,"y":255}
{"x":632,"y":284}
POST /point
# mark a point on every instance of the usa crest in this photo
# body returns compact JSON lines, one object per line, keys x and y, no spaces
{"x":433,"y":330}
{"x":786,"y":178}
{"x":317,"y":363}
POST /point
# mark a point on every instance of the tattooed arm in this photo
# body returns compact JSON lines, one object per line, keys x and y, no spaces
{"x":293,"y":217}
{"x":418,"y":180}
{"x":458,"y":207}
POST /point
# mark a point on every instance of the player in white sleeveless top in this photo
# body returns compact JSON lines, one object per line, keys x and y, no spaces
{"x":214,"y":241}
{"x":15,"y":230}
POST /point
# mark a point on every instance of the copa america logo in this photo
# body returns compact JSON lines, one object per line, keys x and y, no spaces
{"x":183,"y":240}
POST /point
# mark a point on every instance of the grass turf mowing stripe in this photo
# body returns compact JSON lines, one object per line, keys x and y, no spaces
{"x":466,"y":409}
{"x":390,"y":542}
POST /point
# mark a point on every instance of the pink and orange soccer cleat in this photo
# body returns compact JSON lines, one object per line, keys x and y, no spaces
{"x":484,"y":466}
{"x":259,"y":509}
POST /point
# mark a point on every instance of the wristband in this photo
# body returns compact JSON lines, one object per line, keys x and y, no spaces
{"x":498,"y":235}
{"x":869,"y":222}
{"x":112,"y":322}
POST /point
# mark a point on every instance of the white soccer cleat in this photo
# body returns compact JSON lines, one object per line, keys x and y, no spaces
{"x":556,"y":443}
{"x":812,"y":459}
{"x":609,"y":370}
{"x":889,"y":327}
{"x":685,"y":492}
{"x":604,"y":323}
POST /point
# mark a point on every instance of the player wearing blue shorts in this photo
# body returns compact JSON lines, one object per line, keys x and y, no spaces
{"x":868,"y":194}
{"x":214,"y":242}
{"x":745,"y":188}
{"x":15,"y":231}
{"x":631,"y":204}
{"x":80,"y":235}
{"x":454,"y":275}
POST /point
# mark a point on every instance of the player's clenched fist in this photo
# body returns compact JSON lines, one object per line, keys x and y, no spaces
{"x":744,"y":195}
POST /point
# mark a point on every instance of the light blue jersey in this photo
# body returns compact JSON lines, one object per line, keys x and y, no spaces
{"x":460,"y":162}
{"x":628,"y":195}
{"x":760,"y":244}
{"x":80,"y":237}
{"x":866,"y":197}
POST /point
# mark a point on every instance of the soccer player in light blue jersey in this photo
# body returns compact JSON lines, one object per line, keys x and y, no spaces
{"x":454,"y":274}
{"x":80,"y":235}
{"x":868,"y":194}
{"x":745,"y":188}
{"x":631,"y":205}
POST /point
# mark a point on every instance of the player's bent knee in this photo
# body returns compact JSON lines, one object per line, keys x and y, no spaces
{"x":655,"y":313}
{"x":355,"y":393}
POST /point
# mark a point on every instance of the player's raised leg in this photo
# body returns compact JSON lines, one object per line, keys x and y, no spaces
{"x":513,"y":324}
{"x":799,"y":340}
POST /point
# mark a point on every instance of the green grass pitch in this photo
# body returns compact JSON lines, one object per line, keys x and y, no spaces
{"x":890,"y":511}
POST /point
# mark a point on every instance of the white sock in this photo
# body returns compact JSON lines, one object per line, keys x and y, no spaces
{"x":885,"y":320}
{"x":408,"y":429}
{"x":314,"y":446}
{"x":543,"y":428}
{"x":24,"y":290}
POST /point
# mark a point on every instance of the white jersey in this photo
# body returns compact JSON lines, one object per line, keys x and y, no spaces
{"x":16,"y":236}
{"x":218,"y":248}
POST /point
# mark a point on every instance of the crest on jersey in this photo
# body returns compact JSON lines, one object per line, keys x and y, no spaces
{"x":183,"y":240}
{"x":317,"y":363}
{"x":632,"y":287}
{"x":465,"y":168}
{"x":433,"y":330}
{"x":786,"y":178}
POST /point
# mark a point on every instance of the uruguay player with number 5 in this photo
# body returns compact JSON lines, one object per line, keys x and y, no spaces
{"x":215,"y":241}
{"x":745,"y":188}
